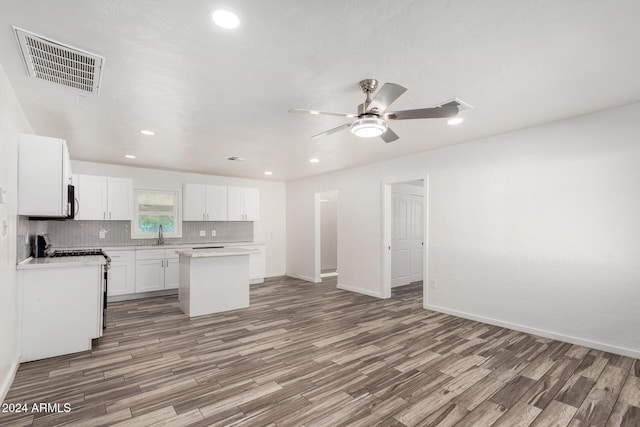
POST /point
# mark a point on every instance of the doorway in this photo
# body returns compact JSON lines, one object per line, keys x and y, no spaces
{"x":326,"y":268}
{"x":405,"y":238}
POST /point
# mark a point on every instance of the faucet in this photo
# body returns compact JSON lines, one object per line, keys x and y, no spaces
{"x":160,"y":236}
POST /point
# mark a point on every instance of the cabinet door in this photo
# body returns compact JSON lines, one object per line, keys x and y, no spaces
{"x":193,"y":202}
{"x":118,"y":283}
{"x":122,"y":274}
{"x":257,"y":265}
{"x":120,"y":199}
{"x":92,"y":197}
{"x":251,"y":202}
{"x":171,"y":273}
{"x":235,"y":204}
{"x":216,"y":203}
{"x":149,"y":275}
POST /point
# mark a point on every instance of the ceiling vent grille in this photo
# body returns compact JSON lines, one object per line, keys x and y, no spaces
{"x":53,"y":61}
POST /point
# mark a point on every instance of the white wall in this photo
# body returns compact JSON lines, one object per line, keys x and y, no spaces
{"x":328,"y":231}
{"x":270,"y":229}
{"x":537,"y":230}
{"x":12,"y":121}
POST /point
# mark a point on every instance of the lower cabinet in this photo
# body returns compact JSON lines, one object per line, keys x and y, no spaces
{"x":156,"y":270}
{"x":257,"y":267}
{"x":122,"y":273}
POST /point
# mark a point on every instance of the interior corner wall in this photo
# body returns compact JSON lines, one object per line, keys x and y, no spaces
{"x":535,"y":230}
{"x":12,"y":122}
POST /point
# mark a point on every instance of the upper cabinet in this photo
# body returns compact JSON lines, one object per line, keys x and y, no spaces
{"x":104,"y":198}
{"x":243,"y":204}
{"x":202,"y":202}
{"x":44,"y":176}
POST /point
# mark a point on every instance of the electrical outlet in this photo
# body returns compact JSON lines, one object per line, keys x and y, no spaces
{"x":203,"y":233}
{"x":102,"y":233}
{"x":432,"y":284}
{"x":213,"y":233}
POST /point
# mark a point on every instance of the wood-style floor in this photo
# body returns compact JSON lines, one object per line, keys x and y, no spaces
{"x":312,"y":355}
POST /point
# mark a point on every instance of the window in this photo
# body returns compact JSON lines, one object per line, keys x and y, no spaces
{"x":154,"y":208}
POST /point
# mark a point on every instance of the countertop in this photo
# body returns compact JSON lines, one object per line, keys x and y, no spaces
{"x":167,"y":246}
{"x":59,"y":262}
{"x":208,"y":253}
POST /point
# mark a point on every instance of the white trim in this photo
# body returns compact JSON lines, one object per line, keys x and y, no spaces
{"x":317,"y":244}
{"x":367,"y":292}
{"x":303,"y":277}
{"x":8,"y":380}
{"x":540,"y":332}
{"x":386,"y":191}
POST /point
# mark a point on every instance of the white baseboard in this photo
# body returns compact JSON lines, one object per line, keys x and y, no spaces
{"x":368,"y":292}
{"x":623,"y":351}
{"x":303,"y":277}
{"x":8,"y":380}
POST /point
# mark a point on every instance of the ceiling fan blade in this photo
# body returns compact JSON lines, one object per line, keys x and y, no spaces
{"x":387,"y":94}
{"x":324,"y":113}
{"x":330,"y":131}
{"x":449,"y":109}
{"x":389,"y":135}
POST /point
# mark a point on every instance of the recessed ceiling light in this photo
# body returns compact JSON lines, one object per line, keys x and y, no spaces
{"x":225,"y":19}
{"x":268,"y":173}
{"x":455,"y":121}
{"x":130,"y":156}
{"x":314,"y":160}
{"x":314,"y":112}
{"x":147,"y":132}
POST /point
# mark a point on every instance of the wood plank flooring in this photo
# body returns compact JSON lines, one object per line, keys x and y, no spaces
{"x":313,"y":355}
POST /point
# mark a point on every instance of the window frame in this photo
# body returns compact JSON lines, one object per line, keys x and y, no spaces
{"x":177,"y":212}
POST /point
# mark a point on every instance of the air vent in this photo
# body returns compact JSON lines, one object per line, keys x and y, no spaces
{"x":236,"y":158}
{"x":55,"y":62}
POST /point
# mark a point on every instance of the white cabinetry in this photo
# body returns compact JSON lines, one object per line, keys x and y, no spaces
{"x":257,"y":266}
{"x":204,"y":202}
{"x":44,"y":174}
{"x":122,"y":274}
{"x":242,"y":204}
{"x":101,"y":197}
{"x":61,"y":310}
{"x":156,"y":270}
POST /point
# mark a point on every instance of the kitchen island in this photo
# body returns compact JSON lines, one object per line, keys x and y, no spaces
{"x":213,"y":280}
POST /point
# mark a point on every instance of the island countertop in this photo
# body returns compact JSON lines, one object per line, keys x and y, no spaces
{"x":213,"y":252}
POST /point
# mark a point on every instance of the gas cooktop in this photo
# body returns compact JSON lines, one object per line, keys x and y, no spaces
{"x":76,"y":252}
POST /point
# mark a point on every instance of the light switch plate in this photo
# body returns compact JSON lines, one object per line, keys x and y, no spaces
{"x":203,"y":233}
{"x":3,"y":195}
{"x":213,"y":233}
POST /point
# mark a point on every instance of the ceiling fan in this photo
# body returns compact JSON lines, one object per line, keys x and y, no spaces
{"x":371,"y":119}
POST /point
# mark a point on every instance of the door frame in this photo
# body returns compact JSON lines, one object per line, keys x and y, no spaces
{"x":317,"y":233}
{"x":386,"y":233}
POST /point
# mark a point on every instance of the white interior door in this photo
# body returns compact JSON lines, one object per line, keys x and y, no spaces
{"x":416,"y":237}
{"x":400,"y":239}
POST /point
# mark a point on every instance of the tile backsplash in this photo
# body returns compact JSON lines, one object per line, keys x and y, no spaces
{"x":118,"y":233}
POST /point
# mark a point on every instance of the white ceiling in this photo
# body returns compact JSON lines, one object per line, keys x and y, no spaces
{"x":209,"y":93}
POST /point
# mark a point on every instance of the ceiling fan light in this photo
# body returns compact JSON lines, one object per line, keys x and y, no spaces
{"x":368,"y":127}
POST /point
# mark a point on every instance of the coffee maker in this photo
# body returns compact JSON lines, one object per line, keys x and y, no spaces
{"x":40,"y":246}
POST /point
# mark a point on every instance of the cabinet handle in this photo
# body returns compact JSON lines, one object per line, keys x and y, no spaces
{"x":104,"y":215}
{"x":109,"y":215}
{"x":203,"y":217}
